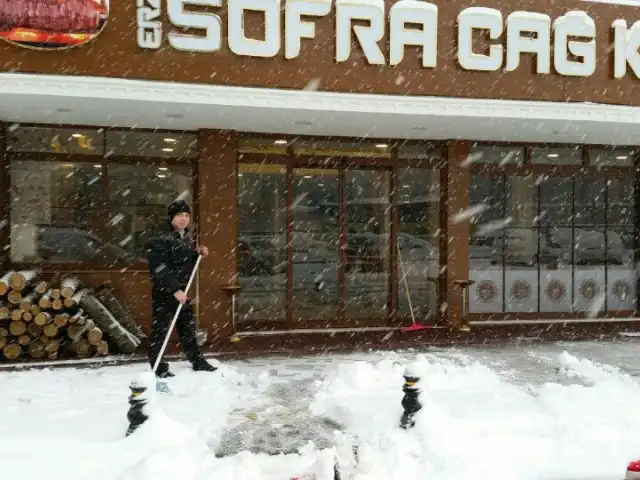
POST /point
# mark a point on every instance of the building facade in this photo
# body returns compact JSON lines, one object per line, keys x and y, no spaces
{"x":351,"y":165}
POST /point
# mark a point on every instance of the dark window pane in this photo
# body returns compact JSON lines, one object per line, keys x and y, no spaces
{"x":556,"y":156}
{"x":260,"y":251}
{"x":420,"y":151}
{"x":556,"y":201}
{"x":620,"y":202}
{"x":555,"y":246}
{"x":315,"y":243}
{"x":342,"y":148}
{"x":55,"y":140}
{"x":367,"y":225}
{"x":57,"y":214}
{"x":262,"y":145}
{"x":522,"y":202}
{"x":149,"y":144}
{"x":590,"y":200}
{"x":497,"y":155}
{"x":418,"y":204}
{"x":138,"y":200}
{"x":606,"y":157}
{"x":486,"y":200}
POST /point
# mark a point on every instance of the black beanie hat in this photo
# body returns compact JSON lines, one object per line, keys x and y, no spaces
{"x":179,"y":206}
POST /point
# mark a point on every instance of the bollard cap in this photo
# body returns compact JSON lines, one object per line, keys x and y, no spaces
{"x":143,"y":387}
{"x":633,"y":470}
{"x":412,"y":371}
{"x":634,"y":466}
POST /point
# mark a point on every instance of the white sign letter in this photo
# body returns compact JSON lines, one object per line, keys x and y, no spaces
{"x":149,"y":24}
{"x":479,"y":18}
{"x":538,"y":23}
{"x":211,"y":23}
{"x":626,"y":44}
{"x":574,"y":24}
{"x":238,"y":41}
{"x":368,"y":37}
{"x":412,"y":11}
{"x":295,"y":28}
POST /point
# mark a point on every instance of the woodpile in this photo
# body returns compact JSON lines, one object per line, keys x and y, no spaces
{"x":65,"y":320}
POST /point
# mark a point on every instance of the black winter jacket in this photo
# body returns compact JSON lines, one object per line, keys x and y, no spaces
{"x":171,"y":261}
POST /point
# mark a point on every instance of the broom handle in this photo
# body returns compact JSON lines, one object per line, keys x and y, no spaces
{"x":406,"y":284}
{"x":175,"y":317}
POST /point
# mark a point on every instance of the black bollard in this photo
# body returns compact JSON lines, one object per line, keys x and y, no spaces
{"x":137,"y":402}
{"x":411,"y":401}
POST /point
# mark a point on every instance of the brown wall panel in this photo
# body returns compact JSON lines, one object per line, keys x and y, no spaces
{"x":457,"y":234}
{"x":217,"y":226}
{"x":115,"y":54}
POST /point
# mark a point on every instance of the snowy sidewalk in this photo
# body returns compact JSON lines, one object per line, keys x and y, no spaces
{"x":528,"y":413}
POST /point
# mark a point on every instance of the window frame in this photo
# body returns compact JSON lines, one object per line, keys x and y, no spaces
{"x":393,"y":163}
{"x":585,"y":169}
{"x":104,"y":160}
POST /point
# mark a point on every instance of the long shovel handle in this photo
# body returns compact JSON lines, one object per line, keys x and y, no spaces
{"x":175,"y":317}
{"x":406,"y":285}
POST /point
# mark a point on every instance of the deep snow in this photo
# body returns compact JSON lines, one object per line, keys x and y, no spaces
{"x":543,"y":412}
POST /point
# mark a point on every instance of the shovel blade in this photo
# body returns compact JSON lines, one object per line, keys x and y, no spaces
{"x":162,"y":386}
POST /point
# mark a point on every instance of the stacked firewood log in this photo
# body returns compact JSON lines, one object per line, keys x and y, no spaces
{"x":43,"y":321}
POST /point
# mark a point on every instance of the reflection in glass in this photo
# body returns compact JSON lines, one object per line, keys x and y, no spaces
{"x":260,"y":252}
{"x":342,"y":148}
{"x":151,"y":144}
{"x":57,"y":214}
{"x":611,"y":156}
{"x":556,"y":201}
{"x":589,"y":196}
{"x":497,"y":155}
{"x":567,"y":245}
{"x":418,"y":204}
{"x":486,"y":198}
{"x":422,"y":152}
{"x":56,"y":140}
{"x":138,"y":199}
{"x":620,"y":201}
{"x":556,"y":156}
{"x":367,"y":227}
{"x":315,"y":243}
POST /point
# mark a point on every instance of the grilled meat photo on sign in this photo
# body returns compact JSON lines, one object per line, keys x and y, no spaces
{"x":53,"y":15}
{"x":52,"y":24}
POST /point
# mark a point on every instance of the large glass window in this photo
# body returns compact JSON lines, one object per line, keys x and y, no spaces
{"x":57,"y":213}
{"x":333,"y":231}
{"x":138,"y":199}
{"x":367,"y":226}
{"x":72,"y":201}
{"x":315,"y":243}
{"x":261,"y":242}
{"x":418,"y":241}
{"x":557,"y":244}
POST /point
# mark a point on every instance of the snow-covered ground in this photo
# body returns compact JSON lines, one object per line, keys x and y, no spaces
{"x":563,"y":411}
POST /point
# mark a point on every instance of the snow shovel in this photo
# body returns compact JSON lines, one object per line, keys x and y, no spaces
{"x":161,"y":384}
{"x":415,"y":326}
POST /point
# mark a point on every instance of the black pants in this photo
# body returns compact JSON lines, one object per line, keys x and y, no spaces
{"x":164,"y":308}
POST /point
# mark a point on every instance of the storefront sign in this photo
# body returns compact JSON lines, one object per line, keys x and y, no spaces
{"x":571,"y":37}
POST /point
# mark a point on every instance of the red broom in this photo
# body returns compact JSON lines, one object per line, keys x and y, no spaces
{"x":415,"y":326}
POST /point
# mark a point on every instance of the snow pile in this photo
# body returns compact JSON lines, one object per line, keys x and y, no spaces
{"x":476,"y":425}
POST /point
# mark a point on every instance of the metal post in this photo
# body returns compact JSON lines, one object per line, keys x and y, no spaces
{"x":411,"y":400}
{"x":137,"y":403}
